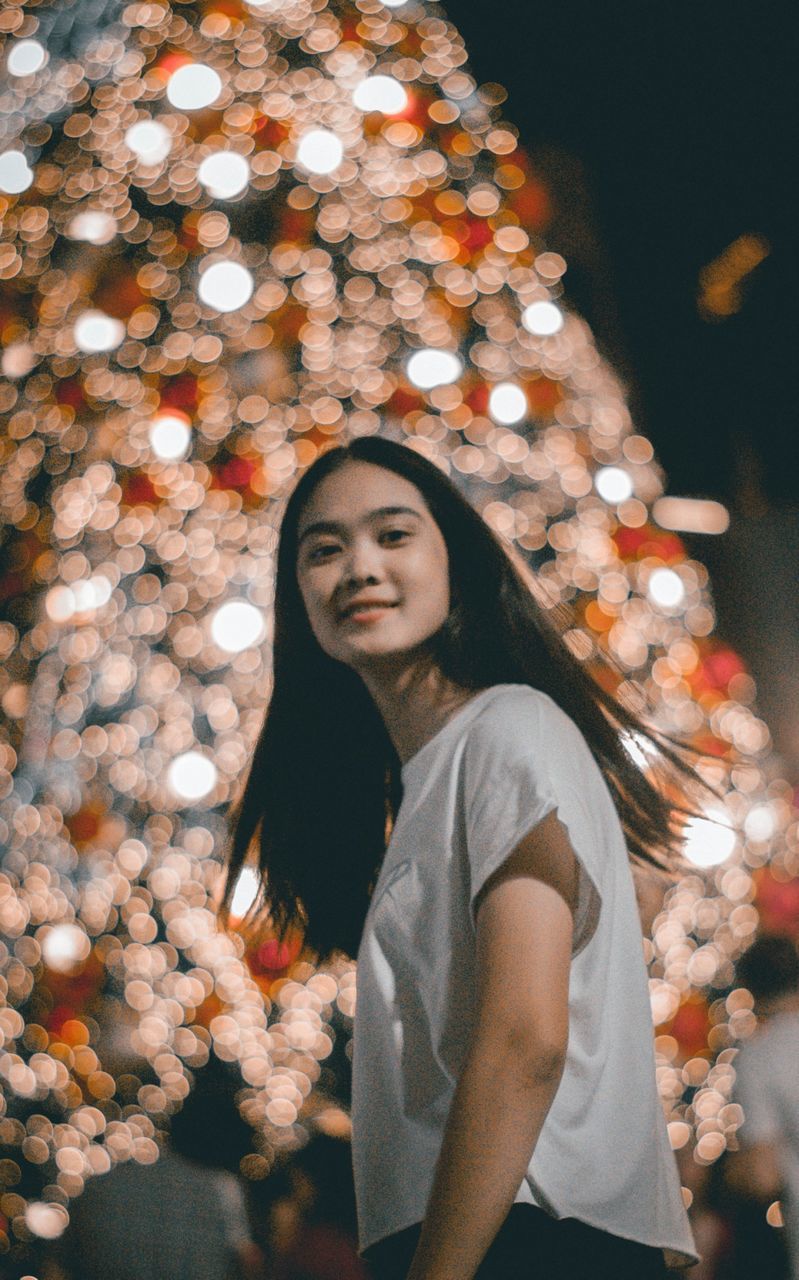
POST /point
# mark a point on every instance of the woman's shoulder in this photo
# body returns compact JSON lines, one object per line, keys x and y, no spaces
{"x":517,"y":716}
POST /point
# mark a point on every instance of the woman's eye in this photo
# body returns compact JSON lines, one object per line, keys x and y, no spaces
{"x":394,"y":533}
{"x":319,"y":553}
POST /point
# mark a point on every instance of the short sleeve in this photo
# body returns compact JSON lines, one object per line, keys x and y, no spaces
{"x":761,"y":1121}
{"x":508,"y":791}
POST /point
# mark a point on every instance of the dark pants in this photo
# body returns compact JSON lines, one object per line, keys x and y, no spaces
{"x":531,"y":1245}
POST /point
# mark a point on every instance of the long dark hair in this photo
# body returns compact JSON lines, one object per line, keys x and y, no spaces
{"x":324,"y":785}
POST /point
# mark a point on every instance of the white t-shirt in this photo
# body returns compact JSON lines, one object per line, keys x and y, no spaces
{"x":495,"y":769}
{"x":767,"y":1087}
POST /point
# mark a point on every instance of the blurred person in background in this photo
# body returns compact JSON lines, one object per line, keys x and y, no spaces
{"x":311,"y":1227}
{"x":765,"y":1169}
{"x":181,"y":1218}
{"x":711,"y":1226}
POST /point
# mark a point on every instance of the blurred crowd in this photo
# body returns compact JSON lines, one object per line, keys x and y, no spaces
{"x":192,"y":1214}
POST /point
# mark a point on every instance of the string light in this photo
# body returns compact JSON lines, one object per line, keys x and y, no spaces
{"x":320,"y":151}
{"x":224,"y":173}
{"x":613,"y":484}
{"x":227,"y":286}
{"x":507,"y":403}
{"x":170,"y":437}
{"x":149,"y":140}
{"x":25,"y":57}
{"x":192,"y":776}
{"x":432,"y":368}
{"x":94,"y":226}
{"x":380,"y":93}
{"x":237,"y":626}
{"x":95,"y":331}
{"x":193,"y":87}
{"x":542,"y":318}
{"x":15,"y":172}
{"x":709,"y":841}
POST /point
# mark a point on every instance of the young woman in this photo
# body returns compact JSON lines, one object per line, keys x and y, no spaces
{"x":434,"y":790}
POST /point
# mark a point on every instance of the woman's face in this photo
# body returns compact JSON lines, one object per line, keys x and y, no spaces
{"x":372,"y":565}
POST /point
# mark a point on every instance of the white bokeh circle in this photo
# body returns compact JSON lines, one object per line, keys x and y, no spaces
{"x":320,"y":151}
{"x":193,"y":86}
{"x":16,"y":174}
{"x":613,"y":484}
{"x":170,"y":437}
{"x":224,"y":174}
{"x":237,"y":625}
{"x":95,"y":331}
{"x":433,"y":367}
{"x":542,"y":318}
{"x":760,"y":822}
{"x":25,"y":57}
{"x":507,"y":403}
{"x":191,"y":776}
{"x":226,"y":286}
{"x":707,"y":841}
{"x":94,"y":226}
{"x":666,"y":588}
{"x":65,"y":946}
{"x":149,"y":141}
{"x":380,"y":93}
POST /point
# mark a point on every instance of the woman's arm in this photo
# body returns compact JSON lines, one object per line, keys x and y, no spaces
{"x":516,"y":1057}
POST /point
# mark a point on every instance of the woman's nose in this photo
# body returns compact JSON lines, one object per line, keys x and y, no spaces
{"x":363,"y":561}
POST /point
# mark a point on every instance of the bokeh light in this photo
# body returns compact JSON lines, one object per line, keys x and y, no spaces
{"x":380,"y":93}
{"x":224,"y":173}
{"x":48,"y":1221}
{"x":666,"y":588}
{"x":709,"y":841}
{"x":191,"y":775}
{"x":542,"y":318}
{"x":15,"y":172}
{"x":95,"y":331}
{"x":170,"y":437}
{"x":613,"y":484}
{"x":227,"y":286}
{"x":149,"y":140}
{"x":760,"y":822}
{"x":433,"y":368}
{"x":64,"y":947}
{"x":320,"y":151}
{"x":93,"y":225}
{"x":212,"y":273}
{"x":193,"y":86}
{"x":507,"y":403}
{"x":25,"y":57}
{"x":245,"y":892}
{"x":237,"y":626}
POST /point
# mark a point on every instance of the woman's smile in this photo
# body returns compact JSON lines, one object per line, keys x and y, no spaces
{"x":366,"y":612}
{"x":369,"y":613}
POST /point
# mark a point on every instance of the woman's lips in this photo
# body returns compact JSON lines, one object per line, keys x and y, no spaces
{"x":366,"y":612}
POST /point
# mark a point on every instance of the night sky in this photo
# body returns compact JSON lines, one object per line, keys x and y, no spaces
{"x":679,"y":117}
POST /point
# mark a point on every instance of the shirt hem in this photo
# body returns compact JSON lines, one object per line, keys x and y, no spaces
{"x":682,"y":1257}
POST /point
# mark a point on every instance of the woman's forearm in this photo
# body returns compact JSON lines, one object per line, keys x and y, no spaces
{"x":503,"y":1095}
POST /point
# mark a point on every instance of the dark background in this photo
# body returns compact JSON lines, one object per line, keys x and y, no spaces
{"x":665,"y":132}
{"x":677,"y":118}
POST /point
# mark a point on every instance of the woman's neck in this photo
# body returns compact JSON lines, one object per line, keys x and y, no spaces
{"x":414,"y":701}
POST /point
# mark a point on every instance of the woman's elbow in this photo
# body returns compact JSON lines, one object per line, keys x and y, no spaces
{"x":538,"y":1058}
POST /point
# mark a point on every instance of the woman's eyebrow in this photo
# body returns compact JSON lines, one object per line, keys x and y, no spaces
{"x":333,"y":526}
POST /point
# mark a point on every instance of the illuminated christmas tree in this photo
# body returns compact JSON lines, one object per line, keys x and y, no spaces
{"x":233,"y":234}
